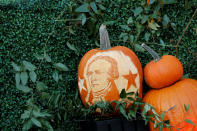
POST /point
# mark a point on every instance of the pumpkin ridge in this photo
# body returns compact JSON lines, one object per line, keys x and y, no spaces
{"x":178,"y":94}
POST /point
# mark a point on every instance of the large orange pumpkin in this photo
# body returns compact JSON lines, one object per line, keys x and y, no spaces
{"x":104,"y":72}
{"x":183,"y":92}
{"x":162,"y":72}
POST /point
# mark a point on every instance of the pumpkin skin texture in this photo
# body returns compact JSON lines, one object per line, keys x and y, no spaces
{"x":183,"y":92}
{"x":102,"y":74}
{"x":164,"y":72}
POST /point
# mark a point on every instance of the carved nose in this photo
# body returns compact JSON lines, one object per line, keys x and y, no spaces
{"x":93,"y":76}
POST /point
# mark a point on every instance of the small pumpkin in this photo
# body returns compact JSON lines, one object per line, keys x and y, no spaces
{"x":176,"y":97}
{"x":104,"y":72}
{"x":162,"y":71}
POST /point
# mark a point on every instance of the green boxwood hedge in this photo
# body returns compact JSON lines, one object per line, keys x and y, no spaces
{"x":25,"y":29}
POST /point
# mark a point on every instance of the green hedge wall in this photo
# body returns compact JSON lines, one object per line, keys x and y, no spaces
{"x":25,"y":29}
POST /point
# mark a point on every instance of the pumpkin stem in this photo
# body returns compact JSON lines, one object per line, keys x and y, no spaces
{"x":152,"y":52}
{"x":104,"y":38}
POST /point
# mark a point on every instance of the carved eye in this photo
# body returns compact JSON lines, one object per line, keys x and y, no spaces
{"x":89,"y":73}
{"x":98,"y":72}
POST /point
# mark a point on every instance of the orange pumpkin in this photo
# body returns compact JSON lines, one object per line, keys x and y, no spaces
{"x":162,"y":72}
{"x":183,"y":92}
{"x":104,"y":72}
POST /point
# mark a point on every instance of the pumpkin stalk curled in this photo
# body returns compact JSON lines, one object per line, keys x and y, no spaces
{"x":152,"y":52}
{"x":104,"y":38}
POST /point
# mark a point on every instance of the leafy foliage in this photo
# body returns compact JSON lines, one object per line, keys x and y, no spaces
{"x":61,"y":32}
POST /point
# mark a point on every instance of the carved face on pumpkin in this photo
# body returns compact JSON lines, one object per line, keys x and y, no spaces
{"x":100,"y":76}
{"x":104,"y":74}
{"x":100,"y":72}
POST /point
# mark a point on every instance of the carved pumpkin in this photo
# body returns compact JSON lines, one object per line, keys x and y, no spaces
{"x":183,"y":92}
{"x":162,"y":72}
{"x":104,"y":72}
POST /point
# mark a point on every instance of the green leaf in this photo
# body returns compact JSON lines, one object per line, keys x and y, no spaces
{"x":40,"y":86}
{"x":55,"y":76}
{"x":39,"y":57}
{"x":16,"y":67}
{"x":56,"y":100}
{"x":146,"y":121}
{"x":131,"y":37}
{"x":132,"y":113}
{"x":139,"y":103}
{"x":82,"y":8}
{"x":162,"y":115}
{"x":131,"y":93}
{"x":45,"y":95}
{"x":32,"y":76}
{"x":147,"y":108}
{"x":130,"y":20}
{"x":139,"y":48}
{"x":36,"y":122}
{"x":169,"y":1}
{"x":71,"y":30}
{"x":150,"y":116}
{"x":166,"y":20}
{"x":101,"y":7}
{"x":37,"y":114}
{"x":153,"y":25}
{"x":72,"y":47}
{"x":122,"y":35}
{"x":17,"y":78}
{"x":156,"y":114}
{"x":162,"y":42}
{"x":160,"y":124}
{"x":94,"y":7}
{"x":24,"y":77}
{"x":186,"y":76}
{"x":109,"y":22}
{"x":29,"y":66}
{"x":83,"y":19}
{"x":139,"y":28}
{"x":157,"y":9}
{"x":173,"y":25}
{"x":147,"y":36}
{"x":46,"y":114}
{"x":171,"y":108}
{"x":190,"y":122}
{"x":155,"y":124}
{"x":61,"y":67}
{"x":27,"y":125}
{"x":47,"y":125}
{"x":152,"y":1}
{"x":47,"y":58}
{"x":186,"y":107}
{"x":25,"y":115}
{"x":125,"y":38}
{"x":123,"y":94}
{"x":137,"y":11}
{"x":123,"y":111}
{"x":144,"y":19}
{"x":23,"y":88}
{"x":125,"y":27}
{"x":131,"y":98}
{"x":40,"y":114}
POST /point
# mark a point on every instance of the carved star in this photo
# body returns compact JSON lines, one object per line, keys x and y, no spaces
{"x":131,"y":79}
{"x":81,"y":86}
